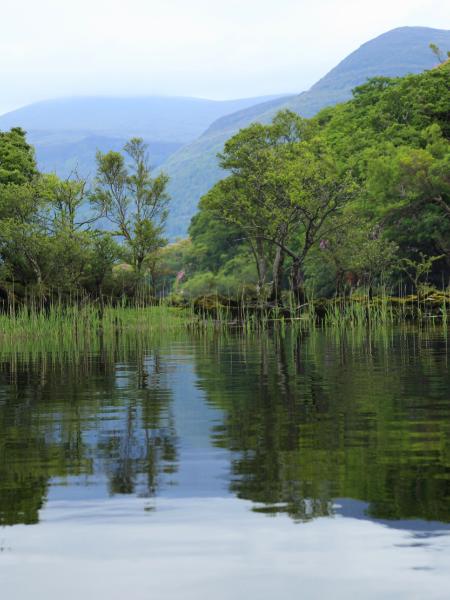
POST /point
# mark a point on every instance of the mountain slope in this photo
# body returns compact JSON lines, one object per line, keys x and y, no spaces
{"x":167,"y":119}
{"x":66,"y":152}
{"x":67,"y":132}
{"x":193,"y":169}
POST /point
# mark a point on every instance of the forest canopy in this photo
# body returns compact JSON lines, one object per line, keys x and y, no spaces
{"x":356,"y":197}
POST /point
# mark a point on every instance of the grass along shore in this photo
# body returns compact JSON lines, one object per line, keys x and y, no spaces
{"x":211,"y":312}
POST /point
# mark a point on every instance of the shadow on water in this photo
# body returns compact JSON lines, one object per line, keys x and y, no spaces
{"x":313,"y":424}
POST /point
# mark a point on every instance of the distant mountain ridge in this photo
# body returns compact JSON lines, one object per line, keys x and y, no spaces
{"x":160,"y":118}
{"x":185,"y":134}
{"x":67,"y":132}
{"x":67,"y":152}
{"x":193,"y":169}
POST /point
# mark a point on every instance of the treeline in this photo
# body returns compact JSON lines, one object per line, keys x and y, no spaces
{"x":67,"y":241}
{"x":357,"y":197}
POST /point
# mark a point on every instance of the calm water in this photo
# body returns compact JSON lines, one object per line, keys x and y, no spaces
{"x":295,"y":466}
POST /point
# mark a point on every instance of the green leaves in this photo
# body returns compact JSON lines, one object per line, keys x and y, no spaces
{"x":132,"y":200}
{"x":369,"y":178}
{"x":17,"y":162}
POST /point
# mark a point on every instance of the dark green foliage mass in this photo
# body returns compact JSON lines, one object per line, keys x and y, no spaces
{"x":357,"y":196}
{"x":51,"y":251}
{"x":17,"y":162}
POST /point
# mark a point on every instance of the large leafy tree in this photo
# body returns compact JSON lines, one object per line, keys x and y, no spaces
{"x":45,"y":245}
{"x":283,"y":190}
{"x":23,"y":235}
{"x":245,"y":200}
{"x":395,"y":137}
{"x":132,"y":200}
{"x":310,"y":205}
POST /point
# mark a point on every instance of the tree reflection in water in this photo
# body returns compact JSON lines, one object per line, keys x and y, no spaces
{"x":315,"y":417}
{"x":307,"y":418}
{"x":80,"y":415}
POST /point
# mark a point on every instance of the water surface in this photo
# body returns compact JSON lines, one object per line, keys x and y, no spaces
{"x":227,"y":466}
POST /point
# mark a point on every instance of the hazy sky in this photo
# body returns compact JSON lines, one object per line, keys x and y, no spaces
{"x":207,"y":48}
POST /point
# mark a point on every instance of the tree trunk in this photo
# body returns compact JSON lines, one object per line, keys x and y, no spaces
{"x":298,"y":281}
{"x":261,"y":266}
{"x":277,"y":273}
{"x":39,"y":286}
{"x":139,"y":260}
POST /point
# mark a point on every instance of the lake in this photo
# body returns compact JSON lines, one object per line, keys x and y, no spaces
{"x":228,"y":466}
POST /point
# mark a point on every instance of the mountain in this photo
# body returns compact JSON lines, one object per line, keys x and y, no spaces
{"x":193,"y":169}
{"x":67,"y":132}
{"x":169,"y":119}
{"x":66,"y":152}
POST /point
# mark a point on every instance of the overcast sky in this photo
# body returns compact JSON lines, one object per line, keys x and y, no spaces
{"x":205,"y":48}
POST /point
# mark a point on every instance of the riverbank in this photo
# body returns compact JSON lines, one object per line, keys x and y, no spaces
{"x":355,"y":309}
{"x":214,"y":311}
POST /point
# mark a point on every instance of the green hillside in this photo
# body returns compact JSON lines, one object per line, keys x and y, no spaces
{"x":194,"y":169}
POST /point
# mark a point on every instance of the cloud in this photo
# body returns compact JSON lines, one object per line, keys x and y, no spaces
{"x":197,"y":47}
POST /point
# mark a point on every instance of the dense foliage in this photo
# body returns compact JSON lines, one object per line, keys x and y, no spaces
{"x":357,"y":196}
{"x":51,"y":251}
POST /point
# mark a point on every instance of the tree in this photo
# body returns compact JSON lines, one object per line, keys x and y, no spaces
{"x":132,"y":200}
{"x":282,"y":194}
{"x":255,"y":157}
{"x":17,"y":162}
{"x":23,"y":234}
{"x":439,"y":54}
{"x":394,"y":138}
{"x":68,"y":200}
{"x":316,"y":194}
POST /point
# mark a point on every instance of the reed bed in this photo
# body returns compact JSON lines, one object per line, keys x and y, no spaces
{"x":366,"y":310}
{"x":83,"y":321}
